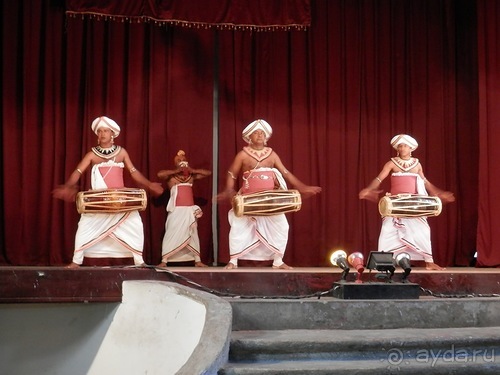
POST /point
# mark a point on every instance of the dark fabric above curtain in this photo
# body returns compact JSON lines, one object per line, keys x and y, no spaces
{"x":223,"y":14}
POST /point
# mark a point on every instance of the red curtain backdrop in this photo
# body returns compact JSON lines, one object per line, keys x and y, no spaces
{"x":59,"y":74}
{"x":488,"y":243}
{"x":334,"y":93}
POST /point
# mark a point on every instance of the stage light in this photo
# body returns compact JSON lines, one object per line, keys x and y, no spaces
{"x":339,"y":259}
{"x":357,"y":261}
{"x":403,"y":260}
{"x":382,"y":262}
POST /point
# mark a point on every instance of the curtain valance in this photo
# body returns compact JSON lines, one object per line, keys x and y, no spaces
{"x":258,"y":15}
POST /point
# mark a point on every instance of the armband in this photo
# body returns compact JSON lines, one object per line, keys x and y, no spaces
{"x":132,"y":170}
{"x":378,"y":179}
{"x":231,"y":174}
{"x":78,"y":170}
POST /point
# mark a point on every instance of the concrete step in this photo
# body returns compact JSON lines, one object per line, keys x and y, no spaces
{"x":369,"y":344}
{"x":412,"y":351}
{"x":360,"y":368}
{"x":332,"y":313}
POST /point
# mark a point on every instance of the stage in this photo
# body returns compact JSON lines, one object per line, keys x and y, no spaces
{"x":104,"y":284}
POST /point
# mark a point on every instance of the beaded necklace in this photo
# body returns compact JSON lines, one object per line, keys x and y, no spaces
{"x":258,"y":155}
{"x":106,"y":153}
{"x":405,"y":165}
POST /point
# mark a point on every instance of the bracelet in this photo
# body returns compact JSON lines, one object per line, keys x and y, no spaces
{"x":78,"y":170}
{"x":231,"y":174}
{"x":378,"y":179}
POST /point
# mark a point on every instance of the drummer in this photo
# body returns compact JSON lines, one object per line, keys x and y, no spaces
{"x":107,"y":235}
{"x":411,"y":235}
{"x":260,"y":168}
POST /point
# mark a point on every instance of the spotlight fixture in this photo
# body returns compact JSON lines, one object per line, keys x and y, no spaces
{"x":356,"y":260}
{"x":339,"y":259}
{"x":382,"y":262}
{"x":403,"y":260}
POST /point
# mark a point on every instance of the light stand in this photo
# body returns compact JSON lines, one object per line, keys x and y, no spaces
{"x":339,"y":259}
{"x":403,"y":260}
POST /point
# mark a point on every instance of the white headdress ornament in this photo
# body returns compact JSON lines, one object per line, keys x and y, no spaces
{"x":406,"y":139}
{"x":104,"y":121}
{"x":257,"y":125}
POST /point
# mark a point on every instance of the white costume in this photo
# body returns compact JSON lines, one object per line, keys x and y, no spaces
{"x":108,"y":235}
{"x":258,"y":237}
{"x":181,"y":242}
{"x":411,"y":235}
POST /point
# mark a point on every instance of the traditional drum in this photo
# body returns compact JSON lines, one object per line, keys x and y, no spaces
{"x":267,"y":203}
{"x":111,"y":200}
{"x":409,"y":205}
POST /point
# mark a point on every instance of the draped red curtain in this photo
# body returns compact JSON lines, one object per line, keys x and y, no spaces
{"x":58,"y":75}
{"x":335,"y":94}
{"x":488,"y":244}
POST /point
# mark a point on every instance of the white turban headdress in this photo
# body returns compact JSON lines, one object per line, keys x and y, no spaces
{"x":257,"y":125}
{"x":406,"y":139}
{"x":104,"y":121}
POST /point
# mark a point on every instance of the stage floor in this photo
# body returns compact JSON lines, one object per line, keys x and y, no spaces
{"x":103,"y":284}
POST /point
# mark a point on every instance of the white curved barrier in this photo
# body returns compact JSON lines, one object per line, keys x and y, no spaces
{"x":158,"y":328}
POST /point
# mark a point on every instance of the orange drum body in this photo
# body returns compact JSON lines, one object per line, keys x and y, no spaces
{"x":409,"y":205}
{"x":267,"y":203}
{"x":111,"y":200}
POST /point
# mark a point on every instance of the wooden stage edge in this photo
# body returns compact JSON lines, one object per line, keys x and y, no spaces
{"x":104,"y":284}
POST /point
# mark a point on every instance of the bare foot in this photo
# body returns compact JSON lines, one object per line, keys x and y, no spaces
{"x":73,"y":265}
{"x":230,"y":266}
{"x":162,"y":264}
{"x":200,"y":264}
{"x":283,"y":266}
{"x":433,"y":266}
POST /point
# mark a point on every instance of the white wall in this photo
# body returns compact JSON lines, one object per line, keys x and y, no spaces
{"x":154,"y":331}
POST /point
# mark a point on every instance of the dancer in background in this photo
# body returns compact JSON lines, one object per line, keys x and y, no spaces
{"x":181,"y":242}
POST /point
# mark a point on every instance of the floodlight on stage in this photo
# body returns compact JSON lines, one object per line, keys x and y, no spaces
{"x":403,"y":260}
{"x":357,"y":261}
{"x":339,"y":259}
{"x":381,"y":261}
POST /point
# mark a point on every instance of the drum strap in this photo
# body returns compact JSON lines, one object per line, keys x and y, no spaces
{"x":247,"y":185}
